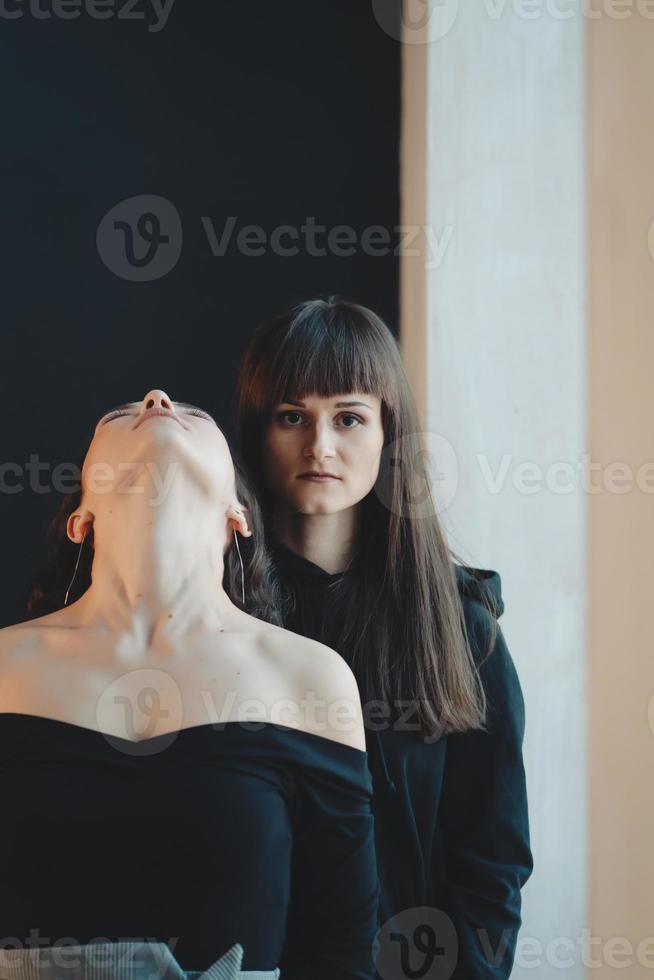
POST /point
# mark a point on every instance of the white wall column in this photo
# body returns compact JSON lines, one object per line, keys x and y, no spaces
{"x":528,"y":157}
{"x":499,"y":363}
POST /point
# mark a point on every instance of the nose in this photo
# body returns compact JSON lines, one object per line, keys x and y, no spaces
{"x":157,"y":398}
{"x":320,"y":444}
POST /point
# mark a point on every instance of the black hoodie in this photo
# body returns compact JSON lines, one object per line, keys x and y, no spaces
{"x":451,"y":820}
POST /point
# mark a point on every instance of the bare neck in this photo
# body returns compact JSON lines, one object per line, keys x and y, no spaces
{"x":327,"y":540}
{"x":156,"y":574}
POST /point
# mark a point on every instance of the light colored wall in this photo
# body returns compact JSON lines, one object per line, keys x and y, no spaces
{"x":413,"y":194}
{"x":534,"y":136}
{"x":504,"y":338}
{"x":620,"y":60}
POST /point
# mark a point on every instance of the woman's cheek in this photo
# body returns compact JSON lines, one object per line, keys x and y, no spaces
{"x":272,"y":457}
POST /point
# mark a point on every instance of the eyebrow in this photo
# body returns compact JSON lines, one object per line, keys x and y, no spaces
{"x":120,"y":408}
{"x":291,"y":401}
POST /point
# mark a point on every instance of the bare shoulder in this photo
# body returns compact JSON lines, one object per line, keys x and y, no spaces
{"x":312,"y":663}
{"x":17,"y":637}
{"x":322,"y":684}
{"x":27,"y":645}
{"x":21,"y":648}
{"x":31,"y":629}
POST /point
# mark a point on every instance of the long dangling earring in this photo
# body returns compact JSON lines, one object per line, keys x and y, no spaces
{"x":239,"y":511}
{"x":241,"y":561}
{"x":75,"y":572}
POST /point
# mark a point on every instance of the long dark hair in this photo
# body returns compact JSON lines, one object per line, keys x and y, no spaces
{"x":404,"y":627}
{"x":46,"y":593}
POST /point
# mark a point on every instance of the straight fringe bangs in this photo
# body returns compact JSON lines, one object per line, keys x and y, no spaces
{"x":324,"y":353}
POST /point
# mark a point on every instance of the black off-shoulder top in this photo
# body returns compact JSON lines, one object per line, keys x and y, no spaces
{"x":212,"y":835}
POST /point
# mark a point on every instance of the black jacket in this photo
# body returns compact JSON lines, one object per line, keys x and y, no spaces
{"x":451,"y":819}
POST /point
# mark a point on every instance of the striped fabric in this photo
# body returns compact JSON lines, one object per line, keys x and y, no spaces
{"x":119,"y":961}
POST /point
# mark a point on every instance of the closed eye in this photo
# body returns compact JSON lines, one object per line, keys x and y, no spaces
{"x":114,"y":415}
{"x":199,"y":412}
{"x":187,"y":411}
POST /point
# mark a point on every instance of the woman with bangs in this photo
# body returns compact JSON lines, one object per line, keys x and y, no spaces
{"x":161,"y":775}
{"x":330,"y":436}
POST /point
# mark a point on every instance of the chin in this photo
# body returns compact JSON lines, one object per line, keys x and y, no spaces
{"x":304,"y":506}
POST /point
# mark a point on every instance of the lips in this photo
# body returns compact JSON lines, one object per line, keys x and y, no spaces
{"x":152,"y":412}
{"x":318,"y":476}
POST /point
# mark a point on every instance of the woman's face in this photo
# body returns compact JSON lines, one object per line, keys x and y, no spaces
{"x":341,"y":436}
{"x":159,"y":434}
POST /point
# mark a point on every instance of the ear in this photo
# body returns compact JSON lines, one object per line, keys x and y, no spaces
{"x":236,"y":514}
{"x":78,"y":526}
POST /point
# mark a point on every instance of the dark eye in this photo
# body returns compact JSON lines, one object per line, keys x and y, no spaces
{"x":284,"y":417}
{"x":354,"y":418}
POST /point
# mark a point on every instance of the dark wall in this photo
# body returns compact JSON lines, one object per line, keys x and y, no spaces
{"x":271,"y":114}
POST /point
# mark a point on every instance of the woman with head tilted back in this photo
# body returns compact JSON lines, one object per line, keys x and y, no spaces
{"x":329,"y":433}
{"x":140,"y":803}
